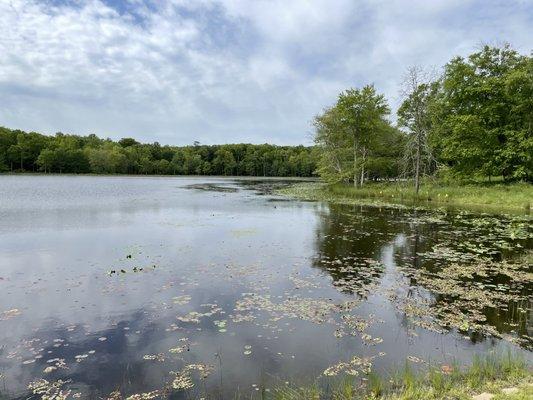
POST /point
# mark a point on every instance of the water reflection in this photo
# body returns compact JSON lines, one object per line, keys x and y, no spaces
{"x":264,"y":291}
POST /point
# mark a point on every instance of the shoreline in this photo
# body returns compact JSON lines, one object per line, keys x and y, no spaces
{"x":236,"y":177}
{"x":489,"y":377}
{"x":469,"y":197}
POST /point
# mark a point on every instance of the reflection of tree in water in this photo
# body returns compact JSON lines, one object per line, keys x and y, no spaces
{"x":507,"y":317}
{"x":349,"y":239}
{"x":349,"y":242}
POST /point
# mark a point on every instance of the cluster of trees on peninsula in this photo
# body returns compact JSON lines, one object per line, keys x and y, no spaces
{"x":30,"y":151}
{"x":474,"y":120}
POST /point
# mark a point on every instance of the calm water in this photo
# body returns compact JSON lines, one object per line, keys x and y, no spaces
{"x":226,"y":276}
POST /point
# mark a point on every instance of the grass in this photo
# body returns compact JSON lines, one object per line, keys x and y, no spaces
{"x":498,"y":196}
{"x":489,"y":373}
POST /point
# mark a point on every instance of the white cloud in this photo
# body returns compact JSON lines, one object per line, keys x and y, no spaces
{"x":223,"y":71}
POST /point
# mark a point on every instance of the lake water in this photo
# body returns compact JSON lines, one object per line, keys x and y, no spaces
{"x":213,"y":287}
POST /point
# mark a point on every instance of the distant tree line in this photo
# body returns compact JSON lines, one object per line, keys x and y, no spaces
{"x":475,"y":120}
{"x":30,"y":151}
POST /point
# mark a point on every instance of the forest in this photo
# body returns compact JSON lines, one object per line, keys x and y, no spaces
{"x":63,"y":153}
{"x":472,"y":121}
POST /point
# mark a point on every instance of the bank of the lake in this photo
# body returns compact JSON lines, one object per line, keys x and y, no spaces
{"x":504,"y":197}
{"x":490,"y":377}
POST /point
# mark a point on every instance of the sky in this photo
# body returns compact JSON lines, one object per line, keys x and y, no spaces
{"x":225,"y":71}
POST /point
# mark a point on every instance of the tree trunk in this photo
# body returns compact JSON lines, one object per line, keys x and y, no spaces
{"x":417,"y":167}
{"x":354,"y":164}
{"x":363,"y":168}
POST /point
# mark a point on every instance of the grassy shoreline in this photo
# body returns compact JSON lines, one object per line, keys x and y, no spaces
{"x":516,"y":197}
{"x":506,"y":377}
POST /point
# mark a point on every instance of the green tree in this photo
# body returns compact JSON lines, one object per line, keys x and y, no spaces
{"x":81,"y":154}
{"x":484,"y":114}
{"x":348,"y":132}
{"x":107,"y":161}
{"x":127,"y":142}
{"x":224,"y":162}
{"x":46,"y":160}
{"x":330,"y":136}
{"x":363,"y":114}
{"x":415,"y":114}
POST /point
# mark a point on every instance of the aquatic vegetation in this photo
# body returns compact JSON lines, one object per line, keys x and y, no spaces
{"x":183,"y":380}
{"x":212,"y":187}
{"x":5,"y":315}
{"x":239,"y":233}
{"x":145,"y":396}
{"x":308,"y":309}
{"x":154,"y":357}
{"x":57,"y":363}
{"x":300,"y":283}
{"x":182,"y":348}
{"x":181,"y":300}
{"x":49,"y":390}
{"x":466,"y":291}
{"x":352,"y":367}
{"x":221,"y":325}
{"x":195,"y":316}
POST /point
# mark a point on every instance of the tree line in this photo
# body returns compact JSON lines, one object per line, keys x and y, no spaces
{"x":63,"y":153}
{"x":472,"y":121}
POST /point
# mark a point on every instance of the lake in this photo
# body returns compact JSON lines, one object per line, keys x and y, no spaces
{"x":193,"y":287}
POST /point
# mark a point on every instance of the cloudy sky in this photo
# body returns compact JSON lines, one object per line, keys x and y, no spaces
{"x":222,"y":71}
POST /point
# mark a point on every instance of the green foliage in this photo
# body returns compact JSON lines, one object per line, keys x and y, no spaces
{"x":224,"y":162}
{"x":21,"y":151}
{"x":484,"y":115}
{"x":474,"y":121}
{"x":354,"y":138}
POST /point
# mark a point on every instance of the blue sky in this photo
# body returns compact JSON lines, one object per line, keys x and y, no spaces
{"x":224,"y":71}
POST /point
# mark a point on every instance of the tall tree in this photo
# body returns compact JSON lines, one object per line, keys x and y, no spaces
{"x":348,"y":132}
{"x":485,"y":114}
{"x":363,"y":112}
{"x":331,"y":138}
{"x":415,"y":114}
